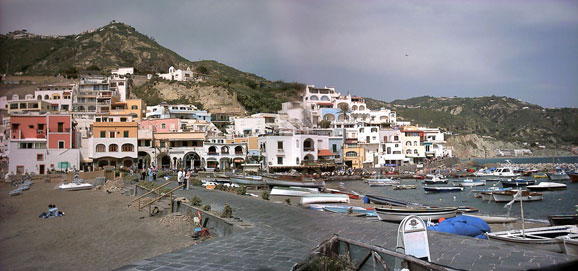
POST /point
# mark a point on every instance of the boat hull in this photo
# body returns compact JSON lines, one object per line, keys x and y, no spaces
{"x":558,"y":176}
{"x":569,"y":246}
{"x":544,"y":238}
{"x":291,"y":192}
{"x":324,"y":198}
{"x":556,"y":220}
{"x":398,"y":214}
{"x":75,"y":187}
{"x":517,"y":183}
{"x":442,"y":189}
{"x":506,"y":197}
{"x":248,"y":181}
{"x":547,"y":186}
{"x":573,"y":177}
{"x":386,"y":201}
{"x":278,"y":182}
{"x":495,"y":219}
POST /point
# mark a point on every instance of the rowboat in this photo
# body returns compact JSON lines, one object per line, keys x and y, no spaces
{"x":403,"y":186}
{"x":321,"y":198}
{"x":397,"y":214}
{"x":547,"y":186}
{"x":386,"y":200}
{"x":556,"y":220}
{"x":305,"y":183}
{"x":517,"y":182}
{"x":74,"y":186}
{"x":350,"y":210}
{"x":382,"y":182}
{"x":543,"y":238}
{"x":247,"y":180}
{"x":293,"y":191}
{"x":569,"y":244}
{"x":505,"y":196}
{"x":495,"y":219}
{"x":442,"y":188}
{"x":469,"y":183}
{"x":478,"y":192}
{"x":352,"y":195}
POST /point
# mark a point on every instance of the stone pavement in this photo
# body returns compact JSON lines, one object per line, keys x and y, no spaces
{"x":284,"y":235}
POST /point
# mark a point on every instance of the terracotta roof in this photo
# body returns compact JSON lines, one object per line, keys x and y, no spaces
{"x":324,"y":103}
{"x":325,"y":152}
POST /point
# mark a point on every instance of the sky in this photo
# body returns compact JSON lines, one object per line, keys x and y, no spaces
{"x":380,"y":49}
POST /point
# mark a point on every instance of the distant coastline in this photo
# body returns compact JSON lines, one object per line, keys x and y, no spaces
{"x":528,"y":159}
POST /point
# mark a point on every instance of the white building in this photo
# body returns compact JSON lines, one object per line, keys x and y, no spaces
{"x":177,"y":74}
{"x":251,"y":126}
{"x":59,"y":96}
{"x":122,"y":72}
{"x":291,"y":150}
{"x":391,"y":152}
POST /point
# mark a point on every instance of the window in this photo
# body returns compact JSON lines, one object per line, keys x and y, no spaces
{"x":127,"y":147}
{"x":63,"y":165}
{"x":396,"y":138}
{"x":134,"y":107}
{"x":351,"y":154}
{"x":61,"y":127}
{"x":122,"y":119}
{"x":111,"y":134}
{"x":113,"y":148}
{"x":13,"y":106}
{"x":102,"y":134}
{"x":414,"y":151}
{"x":334,"y":148}
{"x":125,"y":133}
{"x":23,"y":105}
{"x":408,"y":143}
{"x":39,"y":157}
{"x":279,"y":160}
{"x":408,"y":152}
{"x":61,"y":144}
{"x":19,"y":169}
{"x":162,"y":144}
{"x":147,"y":143}
{"x":100,"y":148}
{"x":415,"y":143}
{"x":163,"y":126}
{"x":280,"y":145}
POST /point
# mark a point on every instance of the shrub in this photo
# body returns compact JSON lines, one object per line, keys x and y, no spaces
{"x":207,"y":207}
{"x":196,"y":182}
{"x":227,"y":211}
{"x":266,"y":195}
{"x":288,"y":201}
{"x":327,"y":263}
{"x":196,"y":201}
{"x":241,"y":190}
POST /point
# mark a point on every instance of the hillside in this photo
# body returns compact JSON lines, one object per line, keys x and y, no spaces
{"x":120,"y":45}
{"x":498,"y":117}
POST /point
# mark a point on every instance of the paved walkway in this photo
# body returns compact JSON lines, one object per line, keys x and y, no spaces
{"x":284,"y":235}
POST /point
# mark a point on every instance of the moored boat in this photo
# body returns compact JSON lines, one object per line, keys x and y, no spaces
{"x":324,"y":198}
{"x":547,"y":186}
{"x":469,"y":183}
{"x":556,"y":220}
{"x":435,"y":180}
{"x":478,"y":192}
{"x":517,"y":182}
{"x":403,"y":186}
{"x":544,"y":238}
{"x":573,"y":176}
{"x":442,"y":188}
{"x":558,"y":175}
{"x":397,"y":214}
{"x":382,"y":182}
{"x":382,"y":200}
{"x":540,"y":175}
{"x":505,"y":196}
{"x":304,"y":183}
{"x":293,"y":191}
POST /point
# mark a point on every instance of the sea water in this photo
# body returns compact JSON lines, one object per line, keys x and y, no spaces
{"x":562,"y":202}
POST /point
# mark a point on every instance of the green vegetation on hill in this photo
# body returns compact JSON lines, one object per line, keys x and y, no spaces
{"x":501,"y":117}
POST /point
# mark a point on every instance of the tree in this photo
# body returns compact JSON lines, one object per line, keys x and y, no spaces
{"x":344,"y":109}
{"x":203,"y":70}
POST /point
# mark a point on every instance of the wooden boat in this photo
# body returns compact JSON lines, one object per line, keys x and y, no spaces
{"x":556,"y":220}
{"x":382,"y":182}
{"x":495,"y":219}
{"x":321,"y":198}
{"x":403,"y":186}
{"x":247,"y":180}
{"x":293,"y":191}
{"x":305,"y":183}
{"x":435,"y":180}
{"x":418,"y":177}
{"x":74,"y":186}
{"x":517,"y":182}
{"x":569,"y":244}
{"x":352,"y":195}
{"x":478,"y":192}
{"x":350,"y":210}
{"x":573,"y":176}
{"x":386,"y":200}
{"x":397,"y":214}
{"x":540,"y":175}
{"x":544,"y":238}
{"x":467,"y":209}
{"x":442,"y":188}
{"x":469,"y":183}
{"x":505,"y":196}
{"x":339,"y":178}
{"x":546,"y":186}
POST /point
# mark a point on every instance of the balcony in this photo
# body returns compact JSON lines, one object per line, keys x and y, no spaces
{"x":213,"y":153}
{"x":239,"y":153}
{"x":309,"y":149}
{"x":66,"y":130}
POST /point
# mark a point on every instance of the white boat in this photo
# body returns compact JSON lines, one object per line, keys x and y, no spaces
{"x":397,"y":213}
{"x":545,"y":238}
{"x":505,"y":196}
{"x":437,"y":179}
{"x":469,"y":183}
{"x":546,"y":186}
{"x":382,"y":182}
{"x":569,"y":244}
{"x":73,"y":186}
{"x":403,"y":186}
{"x":558,"y":175}
{"x":293,"y":191}
{"x":322,"y":198}
{"x":478,"y":192}
{"x":495,"y":219}
{"x":507,"y":171}
{"x":483,"y":173}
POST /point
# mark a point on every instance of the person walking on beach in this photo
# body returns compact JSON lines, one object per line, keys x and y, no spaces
{"x":187,"y":179}
{"x":180,"y":176}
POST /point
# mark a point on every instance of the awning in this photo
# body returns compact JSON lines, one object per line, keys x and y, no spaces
{"x":238,"y":160}
{"x":325,"y":152}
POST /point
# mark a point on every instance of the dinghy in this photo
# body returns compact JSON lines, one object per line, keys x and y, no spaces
{"x":403,"y":186}
{"x":542,"y":238}
{"x":293,"y":191}
{"x":547,"y":186}
{"x":382,"y":182}
{"x":495,"y":219}
{"x":504,"y":196}
{"x":324,"y":198}
{"x":569,"y":244}
{"x":74,"y":186}
{"x":469,"y":183}
{"x":397,"y":214}
{"x":442,"y":188}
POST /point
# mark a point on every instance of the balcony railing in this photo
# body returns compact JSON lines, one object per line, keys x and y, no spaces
{"x":309,"y":149}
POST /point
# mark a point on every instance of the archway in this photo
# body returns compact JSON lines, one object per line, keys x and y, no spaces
{"x":127,"y":163}
{"x":144,"y":159}
{"x":238,"y":150}
{"x":192,"y":160}
{"x":308,"y":145}
{"x":308,"y":158}
{"x":224,"y":163}
{"x":165,"y":161}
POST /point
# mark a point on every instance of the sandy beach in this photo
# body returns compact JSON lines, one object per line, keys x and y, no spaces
{"x":98,"y":232}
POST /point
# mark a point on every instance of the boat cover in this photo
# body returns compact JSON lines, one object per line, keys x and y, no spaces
{"x":463,"y":225}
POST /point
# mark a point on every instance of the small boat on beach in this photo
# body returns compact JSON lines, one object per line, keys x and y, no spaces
{"x":442,"y":188}
{"x":517,"y":182}
{"x":351,"y":210}
{"x":397,"y":214}
{"x":556,"y":220}
{"x":351,"y":195}
{"x":293,"y":191}
{"x":569,"y":244}
{"x":403,"y":186}
{"x":247,"y":180}
{"x":546,"y":238}
{"x":324,"y":198}
{"x":505,"y":196}
{"x":469,"y":183}
{"x":382,"y":200}
{"x":547,"y":186}
{"x":495,"y":219}
{"x":75,"y":186}
{"x":382,"y":182}
{"x":300,"y":183}
{"x":467,"y":209}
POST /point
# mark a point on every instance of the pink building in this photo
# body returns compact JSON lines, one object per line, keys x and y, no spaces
{"x":42,"y":142}
{"x":160,"y":125}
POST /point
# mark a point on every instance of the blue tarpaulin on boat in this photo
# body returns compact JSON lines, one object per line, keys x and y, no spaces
{"x":463,"y":225}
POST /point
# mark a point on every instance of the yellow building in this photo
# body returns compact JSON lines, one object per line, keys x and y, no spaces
{"x":115,"y":144}
{"x":354,"y":155}
{"x":134,"y":107}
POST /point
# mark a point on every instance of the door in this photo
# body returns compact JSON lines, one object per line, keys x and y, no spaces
{"x":41,"y":169}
